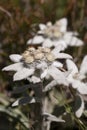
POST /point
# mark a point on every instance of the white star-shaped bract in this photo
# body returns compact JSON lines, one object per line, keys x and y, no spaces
{"x":38,"y":64}
{"x":55,"y":35}
{"x":75,"y":79}
{"x":76,"y":76}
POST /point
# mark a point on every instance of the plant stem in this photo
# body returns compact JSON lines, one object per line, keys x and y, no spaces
{"x":37,"y":111}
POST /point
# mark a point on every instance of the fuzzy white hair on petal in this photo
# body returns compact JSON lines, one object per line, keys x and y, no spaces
{"x":15,"y":57}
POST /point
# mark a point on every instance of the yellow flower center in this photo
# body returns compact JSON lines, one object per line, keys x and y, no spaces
{"x":31,"y":54}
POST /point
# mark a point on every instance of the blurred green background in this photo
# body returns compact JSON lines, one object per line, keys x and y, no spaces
{"x":19,"y":21}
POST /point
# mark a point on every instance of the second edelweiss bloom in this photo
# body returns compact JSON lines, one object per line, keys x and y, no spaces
{"x":37,"y":64}
{"x":76,"y":76}
{"x":56,"y":35}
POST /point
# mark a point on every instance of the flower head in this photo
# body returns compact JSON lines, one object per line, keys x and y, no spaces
{"x":76,"y":76}
{"x":37,"y":64}
{"x":55,"y":35}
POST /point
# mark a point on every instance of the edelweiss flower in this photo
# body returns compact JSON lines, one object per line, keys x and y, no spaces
{"x":56,"y":36}
{"x":75,"y":79}
{"x":76,"y":76}
{"x":37,"y":64}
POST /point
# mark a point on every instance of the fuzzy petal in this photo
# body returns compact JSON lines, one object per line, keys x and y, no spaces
{"x":82,"y":88}
{"x":14,"y":67}
{"x":50,"y":86}
{"x":57,"y":64}
{"x":83,"y":68}
{"x":47,"y":43}
{"x":42,"y":65}
{"x":35,"y":79}
{"x":76,"y":42}
{"x":63,"y":24}
{"x":62,"y":56}
{"x":49,"y":24}
{"x":42,"y":26}
{"x":61,"y":42}
{"x":15,"y":57}
{"x":57,"y":75}
{"x":37,"y":40}
{"x":71,"y":66}
{"x":72,"y":40}
{"x":79,"y":111}
{"x":29,"y":41}
{"x":57,"y":49}
{"x":43,"y":75}
{"x":23,"y":74}
{"x":23,"y":101}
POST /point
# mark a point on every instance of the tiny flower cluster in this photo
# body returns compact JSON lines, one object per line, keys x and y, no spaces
{"x":32,"y":54}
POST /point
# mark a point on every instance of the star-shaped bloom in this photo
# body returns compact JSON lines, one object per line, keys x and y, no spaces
{"x":76,"y":76}
{"x":55,"y":35}
{"x":37,"y":64}
{"x":75,"y":79}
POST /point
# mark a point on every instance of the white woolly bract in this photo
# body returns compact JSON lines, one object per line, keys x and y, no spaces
{"x":71,"y":66}
{"x":14,"y":67}
{"x":79,"y":112}
{"x":23,"y":74}
{"x":15,"y":57}
{"x":83,"y":67}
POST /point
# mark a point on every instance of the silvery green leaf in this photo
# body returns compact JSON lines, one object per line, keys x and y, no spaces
{"x":51,"y":117}
{"x":21,"y":89}
{"x":37,"y":39}
{"x":83,"y":67}
{"x":23,"y":74}
{"x":37,"y":88}
{"x":57,"y":75}
{"x":42,"y":26}
{"x":62,"y":56}
{"x":15,"y":57}
{"x":43,"y":75}
{"x":50,"y":85}
{"x":79,"y":106}
{"x":71,"y":66}
{"x":62,"y":23}
{"x":25,"y":100}
{"x":47,"y":43}
{"x":14,"y":67}
{"x":57,"y":64}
